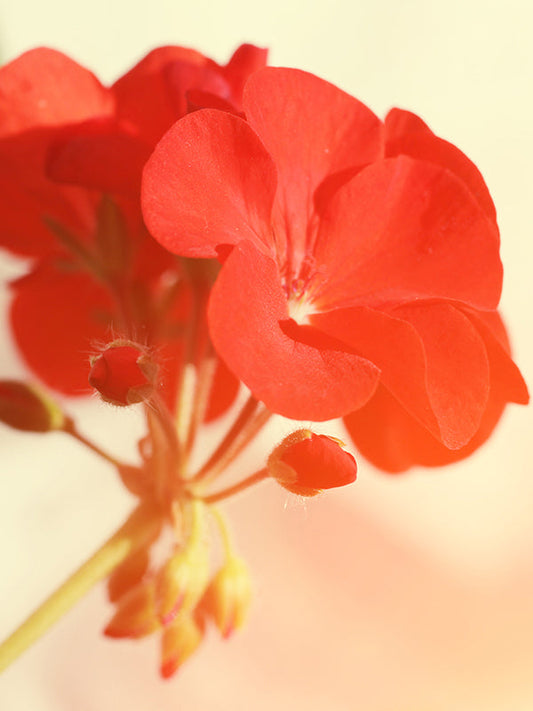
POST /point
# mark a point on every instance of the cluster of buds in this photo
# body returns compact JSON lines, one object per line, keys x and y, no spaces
{"x":178,"y":598}
{"x":177,"y":594}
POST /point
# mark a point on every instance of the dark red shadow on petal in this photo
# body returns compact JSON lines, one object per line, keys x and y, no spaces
{"x":29,"y":197}
{"x":99,"y":154}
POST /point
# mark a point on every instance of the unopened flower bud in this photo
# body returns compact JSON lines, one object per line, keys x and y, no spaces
{"x":179,"y":641}
{"x":304,"y":463}
{"x":123,"y":373}
{"x":128,"y":574}
{"x":228,"y":596}
{"x":25,"y":407}
{"x":135,"y":616}
{"x":181,"y":581}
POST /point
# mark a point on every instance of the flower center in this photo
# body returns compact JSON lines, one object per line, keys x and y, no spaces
{"x":300,"y":304}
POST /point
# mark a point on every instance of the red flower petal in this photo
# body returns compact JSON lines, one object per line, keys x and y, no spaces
{"x":198,"y":99}
{"x":292,"y":378}
{"x":28,"y":198}
{"x":154,"y":94}
{"x":505,"y":378}
{"x":458,"y":381}
{"x":389,"y":437}
{"x":43,"y":87}
{"x":246,"y":59}
{"x":144,"y":95}
{"x":394,"y":346}
{"x":386,"y":434}
{"x":98,"y":154}
{"x":431,"y":358}
{"x":404,"y":229}
{"x":407,"y":134}
{"x":209,"y":182}
{"x":56,"y":332}
{"x":311,"y":129}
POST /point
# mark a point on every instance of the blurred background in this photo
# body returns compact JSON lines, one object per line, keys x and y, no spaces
{"x":405,"y":593}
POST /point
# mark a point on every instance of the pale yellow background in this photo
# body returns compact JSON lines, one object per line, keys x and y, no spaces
{"x":411,"y":593}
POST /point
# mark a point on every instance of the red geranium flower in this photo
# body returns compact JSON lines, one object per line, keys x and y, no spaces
{"x":356,"y":255}
{"x":71,"y":158}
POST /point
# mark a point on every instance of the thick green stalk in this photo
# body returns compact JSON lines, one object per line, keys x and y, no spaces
{"x":141,"y":527}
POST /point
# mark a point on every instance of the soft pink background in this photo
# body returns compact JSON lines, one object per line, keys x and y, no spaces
{"x":410,"y":593}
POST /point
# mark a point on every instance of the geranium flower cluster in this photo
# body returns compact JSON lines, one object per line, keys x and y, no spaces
{"x":198,"y":231}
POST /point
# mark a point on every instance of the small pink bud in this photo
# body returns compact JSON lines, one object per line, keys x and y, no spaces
{"x":25,"y":407}
{"x":181,"y":581}
{"x":123,"y":373}
{"x":180,"y":640}
{"x":228,"y":596}
{"x":304,"y":463}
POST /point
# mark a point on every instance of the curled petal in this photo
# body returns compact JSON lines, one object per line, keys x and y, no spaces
{"x":458,"y":378}
{"x":431,"y":358}
{"x":392,"y":439}
{"x":394,"y":346}
{"x":295,"y":371}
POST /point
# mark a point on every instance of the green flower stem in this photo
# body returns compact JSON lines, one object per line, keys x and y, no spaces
{"x":142,"y":526}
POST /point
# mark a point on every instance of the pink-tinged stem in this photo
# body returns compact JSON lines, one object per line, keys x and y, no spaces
{"x":236,"y":488}
{"x":244,"y":429}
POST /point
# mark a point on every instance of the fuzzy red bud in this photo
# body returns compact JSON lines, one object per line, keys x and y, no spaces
{"x":304,"y":463}
{"x":123,"y":373}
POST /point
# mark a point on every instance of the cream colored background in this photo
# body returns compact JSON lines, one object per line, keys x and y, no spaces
{"x":400,"y":594}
